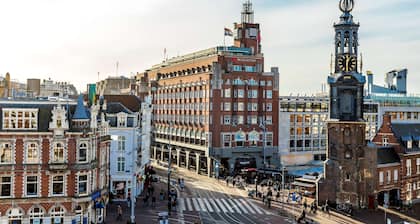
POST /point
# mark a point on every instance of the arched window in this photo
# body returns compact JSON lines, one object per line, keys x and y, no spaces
{"x":58,"y":152}
{"x":15,"y":215}
{"x":253,"y":138}
{"x":83,"y":149}
{"x":36,"y":214}
{"x":79,"y":214}
{"x":57,"y":215}
{"x":32,"y":155}
{"x":240,"y":138}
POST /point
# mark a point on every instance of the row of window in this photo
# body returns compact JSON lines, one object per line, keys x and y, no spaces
{"x":181,"y":132}
{"x":239,"y":120}
{"x":183,"y":106}
{"x":197,"y":119}
{"x":32,"y":153}
{"x":36,"y":215}
{"x":20,"y":119}
{"x":409,"y":167}
{"x":240,"y":138}
{"x":249,"y":82}
{"x":404,"y":115}
{"x":387,"y":176}
{"x":32,"y":185}
{"x":296,"y":132}
{"x":189,"y":71}
{"x":182,"y":94}
{"x":251,"y":94}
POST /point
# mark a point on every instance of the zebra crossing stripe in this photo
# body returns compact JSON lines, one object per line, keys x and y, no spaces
{"x":203,"y":207}
{"x":209,"y":208}
{"x":197,"y":207}
{"x":235,"y":206}
{"x":181,"y":204}
{"x":189,"y":204}
{"x":256,"y":208}
{"x":240,"y":205}
{"x":229,"y":207}
{"x":214,"y":205}
{"x":247,"y":205}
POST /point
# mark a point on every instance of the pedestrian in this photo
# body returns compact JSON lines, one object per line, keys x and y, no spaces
{"x":161,"y":195}
{"x":146,"y":200}
{"x":277,"y":195}
{"x":179,"y":181}
{"x":227,"y":182}
{"x":305,"y":205}
{"x":128,"y":200}
{"x":327,"y":209}
{"x":153,"y":201}
{"x":182,"y":185}
{"x":119,"y":211}
{"x":233,"y":182}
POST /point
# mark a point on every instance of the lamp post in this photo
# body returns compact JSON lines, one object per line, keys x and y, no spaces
{"x":256,"y":186}
{"x":262,"y":125}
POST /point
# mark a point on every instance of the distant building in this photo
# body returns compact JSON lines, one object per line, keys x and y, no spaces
{"x":5,"y":86}
{"x":395,"y":83}
{"x":53,"y":162}
{"x":33,"y":87}
{"x":49,"y":88}
{"x":118,"y":85}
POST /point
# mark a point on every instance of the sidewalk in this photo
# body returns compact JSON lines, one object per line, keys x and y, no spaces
{"x":144,"y":213}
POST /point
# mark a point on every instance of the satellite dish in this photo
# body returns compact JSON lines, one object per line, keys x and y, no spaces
{"x":346,"y":5}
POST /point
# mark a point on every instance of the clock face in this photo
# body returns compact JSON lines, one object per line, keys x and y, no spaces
{"x":347,"y":63}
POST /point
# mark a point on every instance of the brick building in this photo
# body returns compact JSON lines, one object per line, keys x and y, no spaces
{"x":217,"y":108}
{"x":53,"y":162}
{"x":399,"y":169}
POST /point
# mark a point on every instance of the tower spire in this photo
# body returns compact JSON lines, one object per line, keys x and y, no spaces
{"x":247,"y":12}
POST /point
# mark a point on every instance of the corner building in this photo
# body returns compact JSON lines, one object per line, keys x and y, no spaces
{"x":216,"y":109}
{"x":54,"y":164}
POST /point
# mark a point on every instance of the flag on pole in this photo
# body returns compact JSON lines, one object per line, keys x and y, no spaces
{"x":228,"y":32}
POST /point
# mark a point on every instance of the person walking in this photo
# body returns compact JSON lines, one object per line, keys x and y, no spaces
{"x":227,"y":182}
{"x":305,"y":205}
{"x":119,"y":212}
{"x":161,"y":195}
{"x":182,"y":184}
{"x":277,"y":195}
{"x":153,"y":201}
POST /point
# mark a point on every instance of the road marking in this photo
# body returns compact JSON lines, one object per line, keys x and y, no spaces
{"x":203,"y":207}
{"x":208,"y":205}
{"x":214,"y":205}
{"x":235,"y":206}
{"x":189,"y":204}
{"x":240,"y":205}
{"x":181,"y":204}
{"x":256,"y":208}
{"x":197,"y":207}
{"x":247,"y":206}
{"x":229,"y":207}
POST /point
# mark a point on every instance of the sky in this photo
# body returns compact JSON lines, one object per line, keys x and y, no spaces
{"x":73,"y":40}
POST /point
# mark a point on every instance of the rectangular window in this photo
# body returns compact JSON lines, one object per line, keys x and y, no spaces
{"x":227,"y":93}
{"x":240,"y":119}
{"x":5,"y":186}
{"x":241,"y":106}
{"x":388,"y":176}
{"x":381,"y":178}
{"x":240,"y":93}
{"x":409,"y":144}
{"x":83,"y":184}
{"x":250,"y":69}
{"x":226,"y":119}
{"x":31,"y":185}
{"x":268,"y":120}
{"x":32,"y":155}
{"x":120,"y":164}
{"x":20,"y":119}
{"x":58,"y":185}
{"x":269,"y":94}
{"x":253,"y":93}
{"x":227,"y":106}
{"x":121,"y":143}
{"x":269,"y":107}
{"x":226,"y":140}
{"x":269,"y":139}
{"x":408,"y":166}
{"x":237,"y":68}
{"x":5,"y":153}
{"x":418,"y":165}
{"x":395,"y":176}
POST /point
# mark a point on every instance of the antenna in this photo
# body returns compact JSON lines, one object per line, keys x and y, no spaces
{"x":361,"y":63}
{"x":116,"y":69}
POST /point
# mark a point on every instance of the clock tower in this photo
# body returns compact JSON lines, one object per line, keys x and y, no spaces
{"x":346,"y":84}
{"x":349,"y":171}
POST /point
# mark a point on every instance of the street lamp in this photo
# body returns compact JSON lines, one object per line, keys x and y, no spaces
{"x":256,"y":186}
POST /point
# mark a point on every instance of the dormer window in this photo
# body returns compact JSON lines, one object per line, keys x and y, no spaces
{"x":409,"y":144}
{"x":122,"y":120}
{"x":15,"y":119}
{"x":385,"y":141}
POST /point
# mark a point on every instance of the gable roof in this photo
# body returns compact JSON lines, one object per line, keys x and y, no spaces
{"x":133,"y":103}
{"x":116,"y":107}
{"x":387,"y":155}
{"x":406,"y":131}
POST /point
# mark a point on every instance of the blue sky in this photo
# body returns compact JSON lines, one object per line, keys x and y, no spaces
{"x":74,"y":40}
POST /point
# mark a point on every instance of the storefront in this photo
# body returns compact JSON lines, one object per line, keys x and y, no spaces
{"x":119,"y":190}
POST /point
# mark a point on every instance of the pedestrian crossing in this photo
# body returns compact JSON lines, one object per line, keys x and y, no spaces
{"x":221,"y":205}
